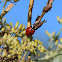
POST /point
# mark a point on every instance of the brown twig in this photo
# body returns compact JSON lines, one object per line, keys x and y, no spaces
{"x":7,"y":9}
{"x":46,"y":8}
{"x":30,"y":13}
{"x":38,"y":22}
{"x":4,"y":6}
{"x":3,"y":13}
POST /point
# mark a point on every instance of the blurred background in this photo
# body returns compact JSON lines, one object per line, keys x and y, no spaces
{"x":20,"y":13}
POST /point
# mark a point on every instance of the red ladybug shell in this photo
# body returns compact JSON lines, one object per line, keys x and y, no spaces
{"x":29,"y":32}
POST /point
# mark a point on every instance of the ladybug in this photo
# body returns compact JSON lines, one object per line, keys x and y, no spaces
{"x":30,"y":30}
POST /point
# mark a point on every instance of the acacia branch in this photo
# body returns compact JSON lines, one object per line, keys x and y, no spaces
{"x":30,"y":13}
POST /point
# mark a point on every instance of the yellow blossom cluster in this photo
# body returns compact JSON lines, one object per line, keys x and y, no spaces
{"x":13,"y":44}
{"x":15,"y":48}
{"x":17,"y":30}
{"x":32,"y":46}
{"x":12,"y":47}
{"x":53,"y":38}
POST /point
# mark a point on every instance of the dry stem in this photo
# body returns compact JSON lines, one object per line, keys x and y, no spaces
{"x":46,"y":8}
{"x":30,"y":13}
{"x":7,"y":9}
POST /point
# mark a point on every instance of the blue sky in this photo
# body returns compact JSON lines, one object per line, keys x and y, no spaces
{"x":20,"y":13}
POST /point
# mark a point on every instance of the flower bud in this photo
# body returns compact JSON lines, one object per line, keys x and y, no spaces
{"x":61,"y":40}
{"x":48,"y":34}
{"x":11,"y":24}
{"x":17,"y":23}
{"x":20,"y":26}
{"x":56,"y":42}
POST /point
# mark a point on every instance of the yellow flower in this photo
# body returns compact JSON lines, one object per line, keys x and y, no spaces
{"x":15,"y":38}
{"x":12,"y":43}
{"x":61,"y":40}
{"x":17,"y":23}
{"x":32,"y":43}
{"x":18,"y":46}
{"x":35,"y":40}
{"x":20,"y":26}
{"x":29,"y":56}
{"x":19,"y":53}
{"x":4,"y":53}
{"x":60,"y":46}
{"x":35,"y":52}
{"x":24,"y":48}
{"x":42,"y":49}
{"x":39,"y":54}
{"x":56,"y":42}
{"x":13,"y":52}
{"x":8,"y":42}
{"x":12,"y":46}
{"x":15,"y":48}
{"x":11,"y":24}
{"x":8,"y":27}
{"x":19,"y":57}
{"x":15,"y":45}
{"x":4,"y":39}
{"x":28,"y":39}
{"x":5,"y":35}
{"x":25,"y":42}
{"x":59,"y":20}
{"x":8,"y":36}
{"x":27,"y":47}
{"x":23,"y":32}
{"x":19,"y":49}
{"x":35,"y":44}
{"x":23,"y":28}
{"x":12,"y":30}
{"x":7,"y":24}
{"x":53,"y":34}
{"x":48,"y":34}
{"x":20,"y":35}
{"x":3,"y":29}
{"x":39,"y":46}
{"x":9,"y":56}
{"x":31,"y":50}
{"x":16,"y":31}
{"x":4,"y":19}
{"x":39,"y":42}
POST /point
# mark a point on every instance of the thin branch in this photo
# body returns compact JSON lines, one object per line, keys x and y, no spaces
{"x":30,"y":13}
{"x":1,"y":13}
{"x":59,"y":32}
{"x":38,"y":22}
{"x":4,"y":7}
{"x":46,"y":8}
{"x":24,"y":56}
{"x":7,"y":9}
